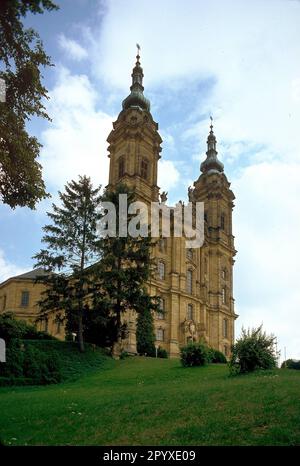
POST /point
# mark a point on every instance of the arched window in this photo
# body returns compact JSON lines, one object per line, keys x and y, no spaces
{"x":223,"y":295}
{"x":162,"y":245}
{"x":226,"y":350}
{"x":58,"y":326}
{"x":189,"y":281}
{"x":144,"y":169}
{"x":225,"y":328}
{"x":161,"y":270}
{"x":4,"y":303}
{"x":25,"y":299}
{"x":224,"y":274}
{"x":160,"y":314}
{"x":189,"y":313}
{"x":121,"y":167}
{"x":222,"y":221}
{"x":160,"y":334}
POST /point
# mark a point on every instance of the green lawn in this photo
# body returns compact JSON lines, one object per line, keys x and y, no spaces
{"x":140,"y":401}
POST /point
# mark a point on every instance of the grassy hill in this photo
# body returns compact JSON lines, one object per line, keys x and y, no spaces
{"x":73,"y":363}
{"x":141,"y":401}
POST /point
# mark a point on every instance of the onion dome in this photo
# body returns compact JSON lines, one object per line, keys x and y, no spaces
{"x":211,"y":164}
{"x":136,"y":97}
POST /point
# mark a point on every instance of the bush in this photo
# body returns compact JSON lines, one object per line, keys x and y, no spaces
{"x":291,"y":364}
{"x":124,"y":355}
{"x":217,"y":357}
{"x":27,"y":364}
{"x":162,"y":353}
{"x":195,"y":354}
{"x":253,"y":350}
{"x":13,"y":367}
{"x":43,"y":368}
{"x":11,"y":328}
{"x":8,"y":381}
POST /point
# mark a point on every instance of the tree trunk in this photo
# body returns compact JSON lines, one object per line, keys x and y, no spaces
{"x":82,"y":265}
{"x":80,"y":335}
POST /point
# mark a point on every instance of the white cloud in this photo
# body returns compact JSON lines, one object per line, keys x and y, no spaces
{"x":72,"y":48}
{"x":168,"y":175}
{"x":267,"y":230}
{"x":75,"y":143}
{"x":249,"y":49}
{"x":8,"y":269}
{"x":250,"y":52}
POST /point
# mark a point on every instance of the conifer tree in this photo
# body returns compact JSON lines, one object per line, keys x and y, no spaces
{"x":145,"y":337}
{"x":124,"y":269}
{"x":72,"y":247}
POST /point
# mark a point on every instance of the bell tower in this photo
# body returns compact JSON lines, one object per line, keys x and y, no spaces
{"x":217,"y":256}
{"x":134,"y":143}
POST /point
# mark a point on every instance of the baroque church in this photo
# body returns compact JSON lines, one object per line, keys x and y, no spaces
{"x":195,"y":285}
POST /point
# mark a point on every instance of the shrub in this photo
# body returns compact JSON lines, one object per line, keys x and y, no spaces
{"x":253,"y":350}
{"x":162,"y":353}
{"x":13,"y":367}
{"x":31,"y":333}
{"x":291,"y":364}
{"x":26,"y":364}
{"x":195,"y":354}
{"x":43,"y":368}
{"x":217,"y":357}
{"x":11,"y":328}
{"x":8,"y":381}
{"x":124,"y":355}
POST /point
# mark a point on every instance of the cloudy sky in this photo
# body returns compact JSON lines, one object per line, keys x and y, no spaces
{"x":236,"y":60}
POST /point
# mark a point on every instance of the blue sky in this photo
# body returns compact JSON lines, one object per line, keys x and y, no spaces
{"x":238,"y":61}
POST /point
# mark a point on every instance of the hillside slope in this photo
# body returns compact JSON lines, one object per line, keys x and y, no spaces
{"x":141,"y":401}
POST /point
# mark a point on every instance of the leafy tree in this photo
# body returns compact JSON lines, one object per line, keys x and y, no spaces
{"x":124,"y":269}
{"x":21,"y":56}
{"x":72,"y":247}
{"x":253,"y":350}
{"x":145,"y":333}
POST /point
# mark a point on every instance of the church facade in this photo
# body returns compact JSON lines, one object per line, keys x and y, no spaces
{"x":195,"y":285}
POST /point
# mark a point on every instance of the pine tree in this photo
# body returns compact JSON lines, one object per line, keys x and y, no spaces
{"x":124,"y":269}
{"x":72,"y":248}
